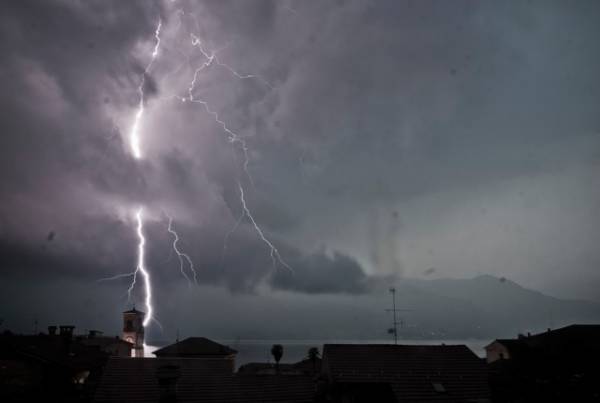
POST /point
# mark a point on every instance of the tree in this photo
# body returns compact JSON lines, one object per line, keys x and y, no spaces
{"x":277,"y":353}
{"x":313,"y":356}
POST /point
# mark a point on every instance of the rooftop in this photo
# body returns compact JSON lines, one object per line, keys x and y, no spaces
{"x":52,"y":350}
{"x":193,"y":347}
{"x":580,"y":341}
{"x":133,"y":310}
{"x":135,"y":379}
{"x":206,"y":380}
{"x":414,"y":373}
{"x":102,"y":341}
{"x":568,"y":335}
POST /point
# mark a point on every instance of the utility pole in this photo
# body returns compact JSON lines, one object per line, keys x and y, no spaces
{"x":395,"y":322}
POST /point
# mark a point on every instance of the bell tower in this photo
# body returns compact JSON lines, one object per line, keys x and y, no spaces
{"x":133,"y":330}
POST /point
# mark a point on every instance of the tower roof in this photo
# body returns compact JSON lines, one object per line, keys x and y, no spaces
{"x":133,"y":310}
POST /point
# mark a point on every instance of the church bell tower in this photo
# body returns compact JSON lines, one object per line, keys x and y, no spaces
{"x":133,"y":330}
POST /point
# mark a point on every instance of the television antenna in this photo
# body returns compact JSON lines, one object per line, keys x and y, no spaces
{"x":396,"y":321}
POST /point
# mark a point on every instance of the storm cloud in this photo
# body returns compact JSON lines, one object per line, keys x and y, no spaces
{"x":385,"y":140}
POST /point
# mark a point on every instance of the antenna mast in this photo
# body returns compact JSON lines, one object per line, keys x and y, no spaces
{"x":394,"y":330}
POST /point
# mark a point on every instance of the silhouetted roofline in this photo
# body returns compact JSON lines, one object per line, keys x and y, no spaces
{"x":133,"y":310}
{"x":193,"y":346}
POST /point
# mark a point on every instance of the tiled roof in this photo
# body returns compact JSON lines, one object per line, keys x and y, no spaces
{"x":135,"y":379}
{"x":263,"y":368}
{"x":587,"y":334}
{"x":273,"y":388}
{"x":194,"y":346}
{"x":308,"y":366}
{"x":201,"y":380}
{"x":304,"y":367}
{"x":103,"y":341}
{"x":416,"y":373}
{"x":53,"y":350}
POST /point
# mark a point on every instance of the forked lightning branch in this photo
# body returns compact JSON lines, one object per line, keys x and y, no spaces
{"x":188,"y":271}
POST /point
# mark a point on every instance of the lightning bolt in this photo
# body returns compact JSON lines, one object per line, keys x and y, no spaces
{"x":182,"y":256}
{"x":135,"y":150}
{"x":141,"y":268}
{"x":211,"y":58}
{"x":134,"y":137}
{"x":233,"y":137}
{"x":229,"y":233}
{"x":275,"y":256}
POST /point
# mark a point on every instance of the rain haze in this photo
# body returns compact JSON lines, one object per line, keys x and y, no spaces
{"x":304,"y":156}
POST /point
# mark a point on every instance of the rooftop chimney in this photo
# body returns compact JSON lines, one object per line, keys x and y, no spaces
{"x":94,"y":333}
{"x":66,"y":331}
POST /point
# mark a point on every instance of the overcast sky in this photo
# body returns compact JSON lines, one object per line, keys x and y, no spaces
{"x":384,"y":140}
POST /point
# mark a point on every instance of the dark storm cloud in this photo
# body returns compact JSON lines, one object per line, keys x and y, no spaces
{"x":320,"y":273}
{"x":107,"y":249}
{"x":393,"y":137}
{"x":87,"y":250}
{"x":61,"y":62}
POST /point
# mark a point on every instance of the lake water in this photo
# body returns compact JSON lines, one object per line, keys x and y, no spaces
{"x":296,"y":350}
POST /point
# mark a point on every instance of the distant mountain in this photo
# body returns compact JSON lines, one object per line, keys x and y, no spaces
{"x":484,"y":306}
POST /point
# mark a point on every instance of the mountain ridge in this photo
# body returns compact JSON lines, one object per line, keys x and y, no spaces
{"x":496,"y":304}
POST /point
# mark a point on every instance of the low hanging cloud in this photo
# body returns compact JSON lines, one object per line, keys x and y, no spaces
{"x":320,"y":273}
{"x":242,"y":264}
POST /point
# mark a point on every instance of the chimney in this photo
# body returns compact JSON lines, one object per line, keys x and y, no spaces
{"x":66,"y":331}
{"x":167,"y":377}
{"x":52,"y":330}
{"x":66,"y":337}
{"x":94,"y":333}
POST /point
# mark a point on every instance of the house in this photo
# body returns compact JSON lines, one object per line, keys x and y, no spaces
{"x":196,"y":347}
{"x":114,"y":346}
{"x":50,"y":367}
{"x":573,"y":339}
{"x":502,"y":349}
{"x":402,"y":373}
{"x":556,"y":365}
